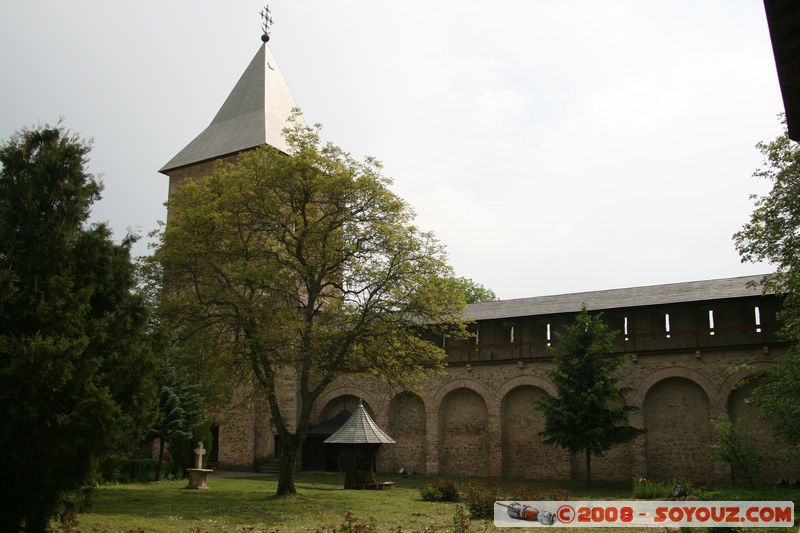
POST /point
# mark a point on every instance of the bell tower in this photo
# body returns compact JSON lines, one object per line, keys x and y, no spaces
{"x":255,"y":113}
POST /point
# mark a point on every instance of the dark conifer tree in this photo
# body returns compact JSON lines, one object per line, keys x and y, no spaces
{"x":589,"y":414}
{"x":75,"y":364}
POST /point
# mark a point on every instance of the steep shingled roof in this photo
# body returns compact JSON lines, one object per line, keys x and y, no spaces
{"x":783,"y":19}
{"x":360,"y":429}
{"x":255,"y":113}
{"x":691,"y":291}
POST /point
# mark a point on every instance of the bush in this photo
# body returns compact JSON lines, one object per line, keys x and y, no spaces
{"x":119,"y":469}
{"x":644,"y":489}
{"x":430,"y":493}
{"x":480,"y":499}
{"x":732,"y":445}
{"x":439,"y":490}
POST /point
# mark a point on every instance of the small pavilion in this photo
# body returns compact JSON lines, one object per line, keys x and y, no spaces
{"x":359,"y":440}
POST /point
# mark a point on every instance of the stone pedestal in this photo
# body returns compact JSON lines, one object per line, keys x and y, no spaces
{"x":198,"y":478}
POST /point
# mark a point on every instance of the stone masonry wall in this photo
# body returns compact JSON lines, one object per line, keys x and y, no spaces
{"x":701,"y":392}
{"x":475,"y":419}
{"x":678,"y":439}
{"x":237,"y":431}
{"x":524,"y":453}
{"x":463,"y":425}
{"x":407,"y":427}
{"x":179,"y":176}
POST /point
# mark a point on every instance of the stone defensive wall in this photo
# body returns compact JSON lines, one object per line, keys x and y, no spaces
{"x":688,"y":347}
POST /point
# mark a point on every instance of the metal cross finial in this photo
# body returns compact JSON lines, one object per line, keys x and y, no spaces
{"x":266,"y":16}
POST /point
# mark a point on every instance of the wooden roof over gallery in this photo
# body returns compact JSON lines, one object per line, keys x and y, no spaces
{"x":670,"y":293}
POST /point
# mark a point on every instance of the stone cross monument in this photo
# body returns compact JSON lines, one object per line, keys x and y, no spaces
{"x":199,"y":452}
{"x":198,"y":476}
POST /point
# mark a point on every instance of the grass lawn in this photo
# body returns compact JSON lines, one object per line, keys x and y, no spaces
{"x":246,"y":504}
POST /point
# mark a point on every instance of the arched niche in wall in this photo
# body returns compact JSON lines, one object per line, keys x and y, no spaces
{"x":463,"y":434}
{"x":407,"y":426}
{"x":524,"y":453}
{"x":678,"y":439}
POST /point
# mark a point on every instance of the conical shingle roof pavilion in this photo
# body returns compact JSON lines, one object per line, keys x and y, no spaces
{"x":255,"y":113}
{"x":360,"y":429}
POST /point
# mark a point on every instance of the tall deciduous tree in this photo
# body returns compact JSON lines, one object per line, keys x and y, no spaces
{"x":773,"y":235}
{"x":476,"y":293}
{"x":75,"y":365}
{"x":297,"y":268}
{"x":589,"y":414}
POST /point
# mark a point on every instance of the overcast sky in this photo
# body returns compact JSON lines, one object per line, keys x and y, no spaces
{"x":553,"y":146}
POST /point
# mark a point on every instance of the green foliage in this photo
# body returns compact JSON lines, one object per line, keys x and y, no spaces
{"x":480,"y":496}
{"x":170,"y":423}
{"x":76,"y":365}
{"x":182,"y":447}
{"x":589,"y":413}
{"x":461,"y":521}
{"x":475,"y":292}
{"x":171,"y":420}
{"x":764,"y":494}
{"x":440,"y":490}
{"x":771,"y":235}
{"x":480,"y":499}
{"x":777,"y":395}
{"x":645,"y":489}
{"x":431,"y":493}
{"x":304,"y":264}
{"x":182,"y":420}
{"x":732,"y":445}
{"x":121,"y":469}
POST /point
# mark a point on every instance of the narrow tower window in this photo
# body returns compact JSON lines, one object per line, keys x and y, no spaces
{"x":625,"y":328}
{"x":548,"y":334}
{"x":477,"y":335}
{"x":710,"y":321}
{"x":511,"y":335}
{"x":666,"y":325}
{"x":757,"y":312}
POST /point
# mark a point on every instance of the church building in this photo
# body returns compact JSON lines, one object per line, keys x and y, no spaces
{"x":477,"y":417}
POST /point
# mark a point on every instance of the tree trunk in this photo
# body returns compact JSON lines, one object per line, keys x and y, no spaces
{"x":289,"y":455}
{"x":588,"y":468}
{"x":160,"y":459}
